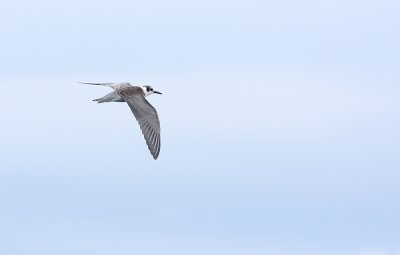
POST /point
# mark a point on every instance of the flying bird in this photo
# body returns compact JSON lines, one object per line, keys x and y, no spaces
{"x":144,"y":112}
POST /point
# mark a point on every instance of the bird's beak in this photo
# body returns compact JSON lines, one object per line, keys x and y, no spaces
{"x":156,"y":92}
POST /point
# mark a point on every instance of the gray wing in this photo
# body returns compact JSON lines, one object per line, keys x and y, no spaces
{"x":146,"y":115}
{"x":113,"y":85}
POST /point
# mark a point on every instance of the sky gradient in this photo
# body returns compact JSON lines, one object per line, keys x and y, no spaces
{"x":280,"y":128}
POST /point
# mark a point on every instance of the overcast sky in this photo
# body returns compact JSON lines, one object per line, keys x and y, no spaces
{"x":280,"y":128}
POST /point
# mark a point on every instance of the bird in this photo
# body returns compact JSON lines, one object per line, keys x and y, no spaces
{"x":145,"y":114}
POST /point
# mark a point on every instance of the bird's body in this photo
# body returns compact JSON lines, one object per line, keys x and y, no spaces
{"x":144,"y":112}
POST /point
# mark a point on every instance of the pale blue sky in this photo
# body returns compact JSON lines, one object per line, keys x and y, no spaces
{"x":294,"y":152}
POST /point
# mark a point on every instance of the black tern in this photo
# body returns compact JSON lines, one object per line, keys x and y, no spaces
{"x":144,"y":112}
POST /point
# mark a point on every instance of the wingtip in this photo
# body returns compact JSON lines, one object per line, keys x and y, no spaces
{"x":89,"y":83}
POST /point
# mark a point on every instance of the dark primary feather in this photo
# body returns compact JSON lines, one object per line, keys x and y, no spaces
{"x":146,"y":115}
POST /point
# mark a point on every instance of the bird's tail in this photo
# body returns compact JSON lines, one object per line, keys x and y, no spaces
{"x":110,"y":97}
{"x":98,"y":100}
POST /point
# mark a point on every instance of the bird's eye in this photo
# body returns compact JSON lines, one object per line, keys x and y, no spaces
{"x":148,"y":89}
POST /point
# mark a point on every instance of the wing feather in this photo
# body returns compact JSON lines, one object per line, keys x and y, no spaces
{"x":113,"y":85}
{"x":146,"y":115}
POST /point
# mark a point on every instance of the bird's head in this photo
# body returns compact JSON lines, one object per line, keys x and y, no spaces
{"x":148,"y":90}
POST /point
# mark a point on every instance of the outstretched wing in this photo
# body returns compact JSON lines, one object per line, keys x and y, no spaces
{"x":112,"y":85}
{"x":146,"y":115}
